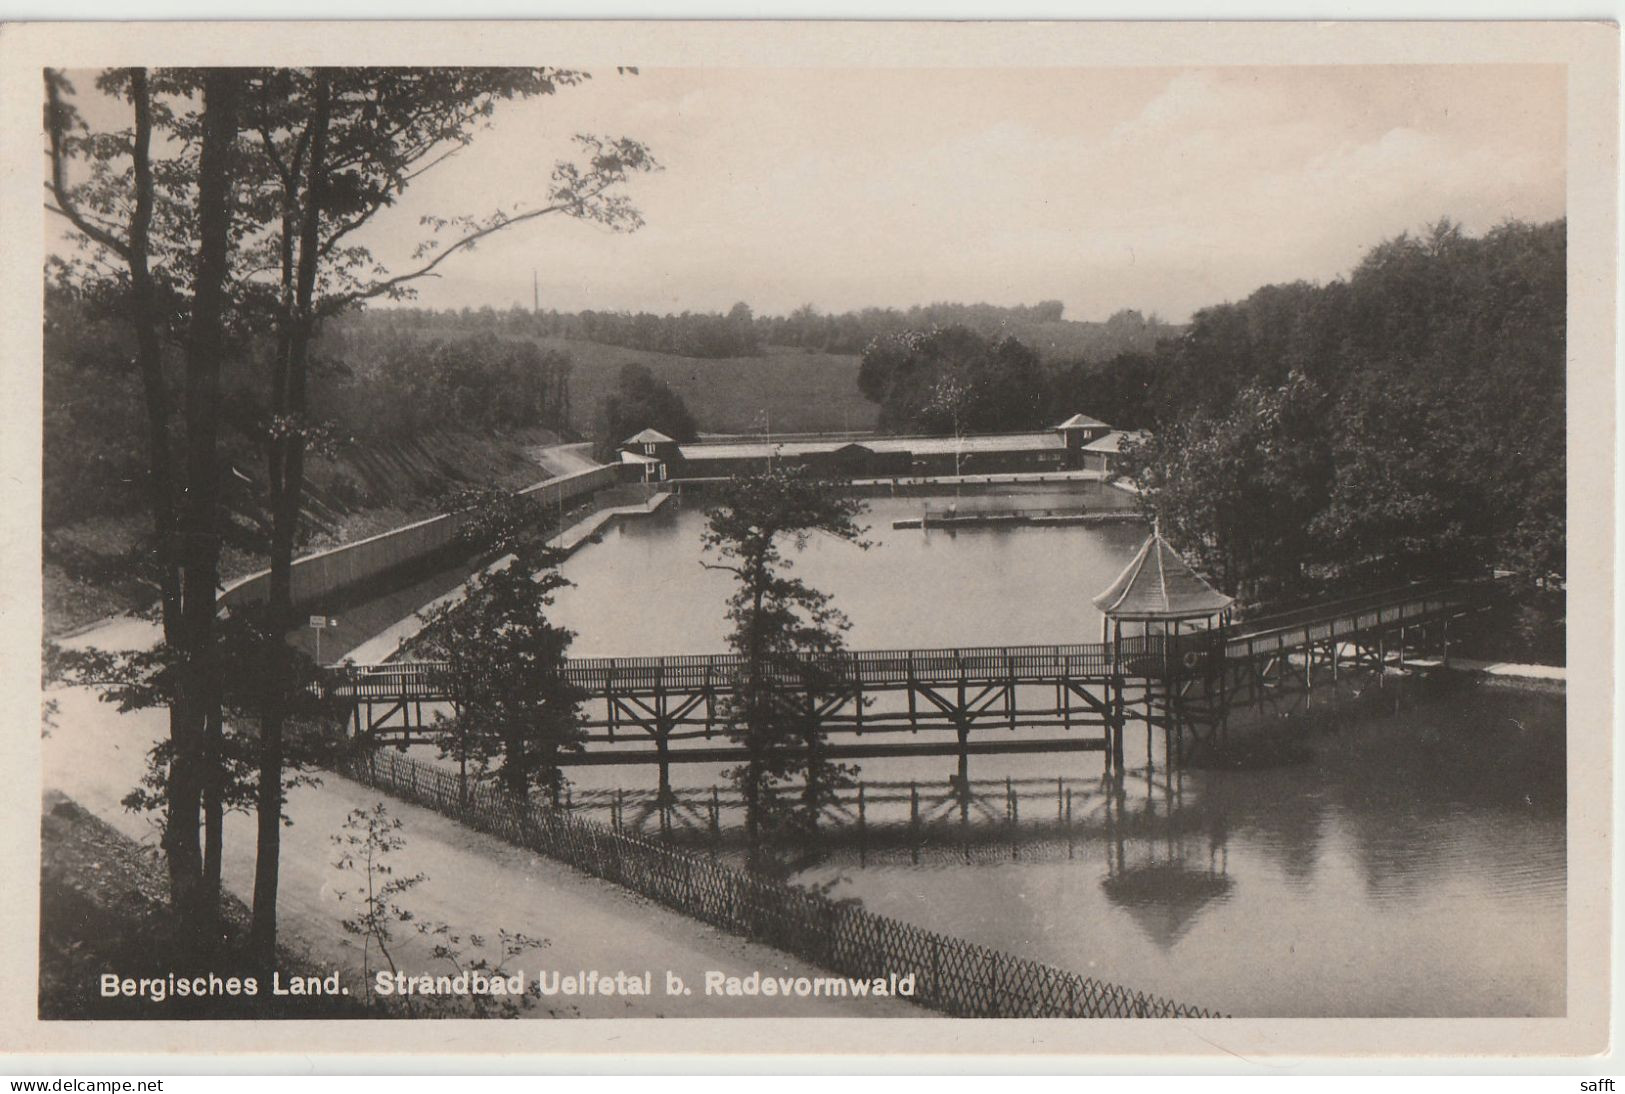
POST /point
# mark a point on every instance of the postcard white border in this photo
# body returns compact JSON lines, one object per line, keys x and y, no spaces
{"x":1590,"y":50}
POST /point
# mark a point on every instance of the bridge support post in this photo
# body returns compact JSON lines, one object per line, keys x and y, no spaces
{"x":1119,"y":718}
{"x":663,"y":751}
{"x":663,"y":724}
{"x":914,"y":822}
{"x":863,"y":829}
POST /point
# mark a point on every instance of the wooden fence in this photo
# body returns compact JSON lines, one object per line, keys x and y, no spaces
{"x":953,"y":976}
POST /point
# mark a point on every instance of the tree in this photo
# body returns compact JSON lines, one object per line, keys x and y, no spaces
{"x":337,"y":147}
{"x":516,"y":711}
{"x":1119,"y":391}
{"x":114,"y":211}
{"x":1240,"y":490}
{"x":366,"y":847}
{"x":946,"y":409}
{"x":639,"y":402}
{"x":255,"y":218}
{"x":789,"y":638}
{"x":1003,"y":383}
{"x":1406,"y":422}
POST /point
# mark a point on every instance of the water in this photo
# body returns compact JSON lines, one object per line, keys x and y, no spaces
{"x":643,"y":589}
{"x":1412,"y":863}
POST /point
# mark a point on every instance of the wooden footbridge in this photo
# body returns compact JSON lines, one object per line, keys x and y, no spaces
{"x":970,"y":701}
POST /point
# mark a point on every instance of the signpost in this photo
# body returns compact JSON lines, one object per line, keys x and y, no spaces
{"x":319,"y":623}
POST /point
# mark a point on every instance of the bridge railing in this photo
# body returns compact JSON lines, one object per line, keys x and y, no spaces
{"x":1348,"y":606}
{"x":950,"y":975}
{"x":1138,"y":656}
{"x":860,"y":668}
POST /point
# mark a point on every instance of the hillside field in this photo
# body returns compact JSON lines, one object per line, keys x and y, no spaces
{"x":804,"y":392}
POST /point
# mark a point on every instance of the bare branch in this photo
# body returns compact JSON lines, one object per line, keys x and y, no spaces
{"x":57,"y":116}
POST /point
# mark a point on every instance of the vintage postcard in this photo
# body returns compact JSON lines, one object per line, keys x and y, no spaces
{"x":831,"y":538}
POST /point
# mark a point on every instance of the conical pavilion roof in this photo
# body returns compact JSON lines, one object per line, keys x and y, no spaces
{"x":649,"y":436}
{"x":1158,"y":584}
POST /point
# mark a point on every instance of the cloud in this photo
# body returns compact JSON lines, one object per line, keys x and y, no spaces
{"x":1164,"y":191}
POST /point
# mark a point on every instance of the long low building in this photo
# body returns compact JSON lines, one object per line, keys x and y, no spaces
{"x":660,"y":458}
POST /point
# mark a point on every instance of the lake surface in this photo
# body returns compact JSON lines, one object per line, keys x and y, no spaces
{"x":643,"y":589}
{"x":1412,"y":863}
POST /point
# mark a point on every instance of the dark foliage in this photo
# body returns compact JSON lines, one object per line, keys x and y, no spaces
{"x":740,"y":333}
{"x":1406,"y":422}
{"x":382,"y":385}
{"x":954,"y":380}
{"x":640,"y":402}
{"x":781,"y":627}
{"x":515,"y":712}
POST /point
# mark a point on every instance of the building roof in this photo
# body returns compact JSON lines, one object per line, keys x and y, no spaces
{"x":919,"y":446}
{"x":637,"y":457}
{"x":1113,"y":441}
{"x":1158,"y":584}
{"x":649,"y":436}
{"x":1083,"y":421}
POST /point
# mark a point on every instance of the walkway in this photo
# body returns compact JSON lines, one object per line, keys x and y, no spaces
{"x":475,"y":883}
{"x":387,"y":642}
{"x":563,"y":459}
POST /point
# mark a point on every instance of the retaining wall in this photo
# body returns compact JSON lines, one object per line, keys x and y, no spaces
{"x":321,"y":575}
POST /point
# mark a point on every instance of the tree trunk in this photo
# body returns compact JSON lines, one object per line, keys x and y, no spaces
{"x":144,"y":311}
{"x":200,"y":514}
{"x":288,"y":449}
{"x":149,"y":360}
{"x":214,"y":818}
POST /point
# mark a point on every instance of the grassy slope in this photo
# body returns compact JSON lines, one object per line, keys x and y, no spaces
{"x":104,"y":907}
{"x":362,"y":490}
{"x":371,"y":488}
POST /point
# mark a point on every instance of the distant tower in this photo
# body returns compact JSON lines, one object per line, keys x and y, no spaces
{"x":535,"y":294}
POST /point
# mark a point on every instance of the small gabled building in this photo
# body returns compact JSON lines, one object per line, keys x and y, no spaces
{"x":1080,"y":429}
{"x":653,"y":454}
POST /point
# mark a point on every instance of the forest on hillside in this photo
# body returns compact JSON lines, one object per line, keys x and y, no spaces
{"x":1405,"y":422}
{"x":741,"y":333}
{"x":380,"y":390}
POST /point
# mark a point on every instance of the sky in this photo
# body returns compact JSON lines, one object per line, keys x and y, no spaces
{"x":1164,"y":190}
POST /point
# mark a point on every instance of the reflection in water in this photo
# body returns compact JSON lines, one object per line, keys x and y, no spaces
{"x":1414,"y":865}
{"x":1411,"y":861}
{"x":1159,"y":871}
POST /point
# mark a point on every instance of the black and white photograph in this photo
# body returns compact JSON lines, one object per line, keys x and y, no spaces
{"x":919,"y":536}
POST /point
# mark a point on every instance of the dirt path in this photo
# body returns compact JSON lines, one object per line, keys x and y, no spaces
{"x":475,"y":884}
{"x":564,"y":459}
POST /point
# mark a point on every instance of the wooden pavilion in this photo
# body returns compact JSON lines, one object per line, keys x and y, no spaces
{"x":1161,"y":592}
{"x":1159,"y":587}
